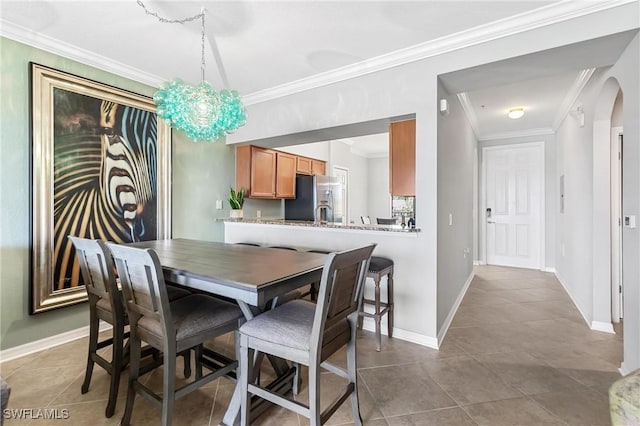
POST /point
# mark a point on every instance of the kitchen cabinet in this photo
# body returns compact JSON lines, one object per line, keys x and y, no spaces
{"x":285,"y":175}
{"x":318,"y":167}
{"x":310,"y":166}
{"x":304,"y":165}
{"x":402,"y":158}
{"x":265,"y":173}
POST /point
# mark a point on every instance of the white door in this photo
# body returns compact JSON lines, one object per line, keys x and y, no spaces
{"x":513,"y":205}
{"x":342,"y":205}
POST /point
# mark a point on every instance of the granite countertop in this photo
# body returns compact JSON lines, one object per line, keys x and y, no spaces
{"x":266,"y":221}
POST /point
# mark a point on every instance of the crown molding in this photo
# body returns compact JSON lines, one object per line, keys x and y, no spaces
{"x":470,"y":112}
{"x":541,"y":17}
{"x":572,"y":96}
{"x":87,"y":57}
{"x":517,"y":134}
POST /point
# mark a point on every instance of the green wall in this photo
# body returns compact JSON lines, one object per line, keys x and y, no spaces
{"x":202,"y":173}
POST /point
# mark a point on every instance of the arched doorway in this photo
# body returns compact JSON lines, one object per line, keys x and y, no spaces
{"x":607,"y":255}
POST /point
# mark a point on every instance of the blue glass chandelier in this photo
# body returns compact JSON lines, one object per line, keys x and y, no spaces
{"x":200,"y":112}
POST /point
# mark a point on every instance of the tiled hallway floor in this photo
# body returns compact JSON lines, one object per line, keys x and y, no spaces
{"x":518,"y":352}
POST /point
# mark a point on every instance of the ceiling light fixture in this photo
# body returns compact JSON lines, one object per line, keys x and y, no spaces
{"x":516,"y":113}
{"x":200,"y":112}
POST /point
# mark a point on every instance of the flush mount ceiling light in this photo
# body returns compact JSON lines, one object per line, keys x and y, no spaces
{"x":200,"y":112}
{"x":516,"y":113}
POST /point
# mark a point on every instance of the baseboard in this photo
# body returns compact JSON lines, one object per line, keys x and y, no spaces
{"x":624,"y":370}
{"x":398,"y":333}
{"x":48,"y":342}
{"x":479,"y":262}
{"x":605,"y":327}
{"x":547,"y":269}
{"x":452,"y":313}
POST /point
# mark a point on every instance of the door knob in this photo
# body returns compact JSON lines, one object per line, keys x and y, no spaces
{"x":491,"y":221}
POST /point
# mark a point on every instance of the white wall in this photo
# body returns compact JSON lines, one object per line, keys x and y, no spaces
{"x":317,"y":150}
{"x":584,"y":226}
{"x":411,"y":88}
{"x":379,"y":199}
{"x":340,"y":155}
{"x":550,"y":190}
{"x":456,"y":149}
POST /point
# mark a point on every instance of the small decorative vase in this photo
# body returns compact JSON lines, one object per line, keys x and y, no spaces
{"x":236,"y":213}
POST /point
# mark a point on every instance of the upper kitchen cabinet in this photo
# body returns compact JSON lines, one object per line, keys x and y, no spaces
{"x":318,"y":167}
{"x":265,"y":173}
{"x":402,"y":158}
{"x":285,"y":175}
{"x":310,"y":166}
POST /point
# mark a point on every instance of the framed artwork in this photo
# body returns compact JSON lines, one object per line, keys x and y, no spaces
{"x":100,"y":169}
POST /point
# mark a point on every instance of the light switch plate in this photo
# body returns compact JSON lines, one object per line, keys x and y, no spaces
{"x":218,"y":204}
{"x":629,"y":221}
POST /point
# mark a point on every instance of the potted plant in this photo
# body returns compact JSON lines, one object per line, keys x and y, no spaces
{"x":236,"y":200}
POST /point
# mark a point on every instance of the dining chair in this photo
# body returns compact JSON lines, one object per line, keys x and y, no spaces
{"x":308,"y":334}
{"x":384,"y":221}
{"x":105,"y":303}
{"x":366,"y":220}
{"x":170,"y":327}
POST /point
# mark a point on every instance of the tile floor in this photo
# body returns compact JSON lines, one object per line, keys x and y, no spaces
{"x":518,"y":352}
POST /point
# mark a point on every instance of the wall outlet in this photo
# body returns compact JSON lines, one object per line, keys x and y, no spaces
{"x":218,"y":204}
{"x":258,"y":214}
{"x":465,"y":252}
{"x":450,"y":219}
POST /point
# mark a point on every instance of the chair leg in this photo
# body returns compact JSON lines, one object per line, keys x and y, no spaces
{"x":297,"y":380}
{"x":353,"y":377}
{"x":186,"y":356}
{"x":93,"y":346}
{"x":314,"y":394}
{"x":198,"y":352}
{"x":377,"y":315}
{"x":390,"y":304}
{"x":134,"y":370}
{"x":117,"y":360}
{"x":244,"y":378}
{"x":169,"y":386}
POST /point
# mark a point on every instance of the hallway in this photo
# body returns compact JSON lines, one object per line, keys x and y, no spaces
{"x":518,"y":352}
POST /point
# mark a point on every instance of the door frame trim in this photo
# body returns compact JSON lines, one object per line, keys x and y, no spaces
{"x":482,"y":219}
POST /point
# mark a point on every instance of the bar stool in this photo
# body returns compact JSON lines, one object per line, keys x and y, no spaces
{"x":378,"y":268}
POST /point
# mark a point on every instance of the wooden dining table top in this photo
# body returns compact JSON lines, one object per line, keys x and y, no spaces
{"x":248,"y":273}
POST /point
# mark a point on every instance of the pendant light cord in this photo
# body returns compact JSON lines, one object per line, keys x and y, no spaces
{"x":182,"y":21}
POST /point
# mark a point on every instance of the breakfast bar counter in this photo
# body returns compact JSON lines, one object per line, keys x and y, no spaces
{"x":331,"y":225}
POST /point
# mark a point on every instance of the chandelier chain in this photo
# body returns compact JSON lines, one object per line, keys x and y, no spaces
{"x":182,"y":21}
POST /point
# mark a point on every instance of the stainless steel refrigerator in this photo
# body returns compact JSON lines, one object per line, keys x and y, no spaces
{"x":318,"y":199}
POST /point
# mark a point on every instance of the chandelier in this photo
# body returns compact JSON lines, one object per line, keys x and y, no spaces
{"x":200,"y":112}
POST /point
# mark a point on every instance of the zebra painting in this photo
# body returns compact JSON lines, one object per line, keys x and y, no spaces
{"x":105,"y":176}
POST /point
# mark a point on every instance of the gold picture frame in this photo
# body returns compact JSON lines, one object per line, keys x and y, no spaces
{"x":100,"y":168}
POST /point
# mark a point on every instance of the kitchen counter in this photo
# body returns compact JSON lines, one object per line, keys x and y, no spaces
{"x":309,"y":224}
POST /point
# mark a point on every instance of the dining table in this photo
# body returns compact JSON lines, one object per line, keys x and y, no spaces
{"x":255,"y":277}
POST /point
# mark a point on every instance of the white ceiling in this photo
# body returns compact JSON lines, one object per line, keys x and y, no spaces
{"x":255,"y":46}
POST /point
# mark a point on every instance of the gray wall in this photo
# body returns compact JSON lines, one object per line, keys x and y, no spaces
{"x":456,"y":150}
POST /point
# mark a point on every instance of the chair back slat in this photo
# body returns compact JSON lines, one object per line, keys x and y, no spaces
{"x":98,"y":270}
{"x":340,"y":294}
{"x":143,"y":285}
